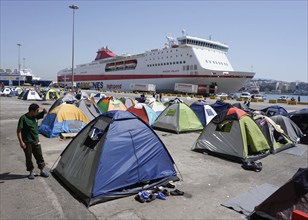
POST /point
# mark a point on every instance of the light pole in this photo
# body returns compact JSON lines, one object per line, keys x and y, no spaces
{"x":19,"y":64}
{"x":74,"y":7}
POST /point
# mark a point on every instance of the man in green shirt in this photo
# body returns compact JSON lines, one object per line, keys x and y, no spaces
{"x":27,"y":133}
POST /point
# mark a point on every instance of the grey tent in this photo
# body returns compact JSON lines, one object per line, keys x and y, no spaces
{"x":276,"y":137}
{"x":300,"y":118}
{"x":232,"y":134}
{"x":178,"y":118}
{"x":69,"y":98}
{"x":289,"y":127}
{"x":90,"y":109}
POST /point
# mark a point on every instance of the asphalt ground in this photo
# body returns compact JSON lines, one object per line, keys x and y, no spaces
{"x":207,"y":181}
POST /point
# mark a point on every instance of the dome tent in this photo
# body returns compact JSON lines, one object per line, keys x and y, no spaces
{"x":178,"y":118}
{"x":232,"y":134}
{"x":115,"y":155}
{"x":65,"y":118}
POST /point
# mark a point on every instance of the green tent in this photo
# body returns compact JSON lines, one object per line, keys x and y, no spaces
{"x":178,"y":118}
{"x":234,"y":135}
{"x":276,"y":137}
{"x":52,"y":94}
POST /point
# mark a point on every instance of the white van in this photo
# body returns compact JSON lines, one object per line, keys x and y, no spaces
{"x":246,"y":95}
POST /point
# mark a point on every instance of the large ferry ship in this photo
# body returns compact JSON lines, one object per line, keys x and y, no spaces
{"x":185,"y":59}
{"x":14,"y":77}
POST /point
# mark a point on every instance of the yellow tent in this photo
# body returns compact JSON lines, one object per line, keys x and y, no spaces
{"x":52,"y":94}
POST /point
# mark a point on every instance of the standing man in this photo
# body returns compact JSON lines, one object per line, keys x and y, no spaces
{"x":27,"y":134}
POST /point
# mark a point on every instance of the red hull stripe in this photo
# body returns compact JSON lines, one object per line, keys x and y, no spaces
{"x":123,"y":77}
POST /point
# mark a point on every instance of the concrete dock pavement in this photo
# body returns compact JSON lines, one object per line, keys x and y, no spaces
{"x":207,"y":181}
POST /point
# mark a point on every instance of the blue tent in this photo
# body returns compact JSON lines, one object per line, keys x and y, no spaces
{"x":220,"y":106}
{"x":65,"y":118}
{"x":204,"y":111}
{"x":274,"y":110}
{"x":115,"y":155}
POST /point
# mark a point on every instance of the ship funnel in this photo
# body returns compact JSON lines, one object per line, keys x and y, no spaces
{"x":104,"y":53}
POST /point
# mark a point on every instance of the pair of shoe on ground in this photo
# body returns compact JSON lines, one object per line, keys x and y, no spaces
{"x":43,"y":174}
{"x":144,"y":196}
{"x":175,"y":192}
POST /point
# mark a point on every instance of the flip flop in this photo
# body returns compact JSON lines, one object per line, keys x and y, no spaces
{"x":169,"y":185}
{"x":160,"y":195}
{"x":151,"y":198}
{"x":176,"y":193}
{"x":31,"y":176}
{"x":166,"y":192}
{"x":139,"y":198}
{"x":44,"y":174}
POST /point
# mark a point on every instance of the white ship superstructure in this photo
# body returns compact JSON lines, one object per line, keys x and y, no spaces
{"x":186,"y":59}
{"x":15,"y":77}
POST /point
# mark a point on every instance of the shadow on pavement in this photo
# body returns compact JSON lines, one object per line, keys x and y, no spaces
{"x":9,"y":176}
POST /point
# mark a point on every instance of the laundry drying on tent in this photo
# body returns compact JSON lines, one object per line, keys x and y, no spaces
{"x":172,"y":101}
{"x":233,"y":135}
{"x":204,"y":111}
{"x":95,"y":97}
{"x":109,"y":104}
{"x":178,"y":118}
{"x":291,"y":196}
{"x":144,"y":112}
{"x":65,"y":118}
{"x":115,"y":155}
{"x":289,"y":127}
{"x":275,"y":136}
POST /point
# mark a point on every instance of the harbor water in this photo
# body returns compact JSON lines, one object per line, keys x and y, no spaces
{"x":269,"y":96}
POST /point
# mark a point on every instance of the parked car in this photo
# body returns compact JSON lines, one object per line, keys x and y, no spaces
{"x":245,"y":95}
{"x":258,"y":96}
{"x":221,"y":95}
{"x":283,"y":98}
{"x":233,"y":95}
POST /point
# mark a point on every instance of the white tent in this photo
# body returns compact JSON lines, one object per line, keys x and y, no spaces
{"x":31,"y":95}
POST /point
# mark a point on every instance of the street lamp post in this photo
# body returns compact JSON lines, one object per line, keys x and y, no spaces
{"x":74,"y":7}
{"x":19,"y":64}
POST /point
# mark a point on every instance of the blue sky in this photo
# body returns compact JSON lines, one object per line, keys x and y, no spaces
{"x":267,"y":37}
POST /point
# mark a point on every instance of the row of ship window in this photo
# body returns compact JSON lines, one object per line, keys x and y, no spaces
{"x":202,"y":44}
{"x":161,"y":52}
{"x":216,"y":62}
{"x":164,"y":64}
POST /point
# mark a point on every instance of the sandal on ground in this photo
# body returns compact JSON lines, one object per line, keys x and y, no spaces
{"x":170,"y":184}
{"x":139,"y":198}
{"x":160,"y":195}
{"x":166,"y":192}
{"x":45,"y":174}
{"x":151,"y":198}
{"x":31,"y":176}
{"x":176,"y":193}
